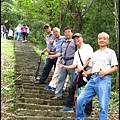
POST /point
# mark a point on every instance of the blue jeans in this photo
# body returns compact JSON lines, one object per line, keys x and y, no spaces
{"x":95,"y":86}
{"x":18,"y":35}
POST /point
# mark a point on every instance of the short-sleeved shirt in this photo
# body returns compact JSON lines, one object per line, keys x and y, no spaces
{"x":57,"y":44}
{"x":103,"y":60}
{"x":70,"y":50}
{"x":48,"y":44}
{"x":85,"y":51}
{"x":18,"y":29}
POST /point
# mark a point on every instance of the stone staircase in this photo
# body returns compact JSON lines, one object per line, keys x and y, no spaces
{"x":32,"y":101}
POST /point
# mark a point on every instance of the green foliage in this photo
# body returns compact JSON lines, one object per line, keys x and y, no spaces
{"x":7,"y":74}
{"x":113,"y":80}
{"x":114,"y":101}
{"x":38,"y":51}
{"x":89,"y":17}
{"x":12,"y":109}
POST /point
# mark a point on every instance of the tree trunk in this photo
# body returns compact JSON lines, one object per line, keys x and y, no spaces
{"x":76,"y":17}
{"x":117,"y":82}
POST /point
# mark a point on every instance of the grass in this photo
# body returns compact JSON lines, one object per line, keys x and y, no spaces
{"x":7,"y":77}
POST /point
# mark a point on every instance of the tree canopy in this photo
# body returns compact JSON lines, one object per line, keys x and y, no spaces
{"x":89,"y":17}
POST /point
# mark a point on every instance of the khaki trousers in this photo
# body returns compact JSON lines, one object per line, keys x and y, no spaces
{"x":55,"y":76}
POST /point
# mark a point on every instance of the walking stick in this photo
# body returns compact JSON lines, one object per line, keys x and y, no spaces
{"x":74,"y":107}
{"x":38,"y":67}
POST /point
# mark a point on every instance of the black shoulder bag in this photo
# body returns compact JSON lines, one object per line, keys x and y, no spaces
{"x":63,"y":60}
{"x":88,"y":77}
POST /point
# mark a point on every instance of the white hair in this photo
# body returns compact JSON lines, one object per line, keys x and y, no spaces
{"x":103,"y":33}
{"x":56,"y":28}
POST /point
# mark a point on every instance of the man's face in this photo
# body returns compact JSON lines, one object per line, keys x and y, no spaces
{"x":56,"y":33}
{"x":78,"y":41}
{"x":47,"y":29}
{"x":68,"y":34}
{"x":103,"y":41}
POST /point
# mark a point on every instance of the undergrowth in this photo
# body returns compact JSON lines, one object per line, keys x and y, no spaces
{"x":7,"y":78}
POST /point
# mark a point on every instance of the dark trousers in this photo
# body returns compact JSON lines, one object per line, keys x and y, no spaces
{"x":10,"y":37}
{"x":24,"y":36}
{"x":47,"y":68}
{"x":71,"y":92}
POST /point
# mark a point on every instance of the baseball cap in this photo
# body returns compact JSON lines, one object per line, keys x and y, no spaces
{"x":46,"y":25}
{"x":76,"y":35}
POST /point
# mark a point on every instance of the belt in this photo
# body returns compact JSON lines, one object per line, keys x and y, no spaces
{"x":95,"y":73}
{"x":69,"y":58}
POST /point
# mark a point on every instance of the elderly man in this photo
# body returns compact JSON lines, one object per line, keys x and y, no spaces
{"x":103,"y":63}
{"x":67,"y":52}
{"x":56,"y":48}
{"x":81,"y":60}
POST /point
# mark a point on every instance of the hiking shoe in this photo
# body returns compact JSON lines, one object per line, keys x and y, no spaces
{"x":66,"y":109}
{"x":47,"y":88}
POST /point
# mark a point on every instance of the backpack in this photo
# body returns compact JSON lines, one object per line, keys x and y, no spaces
{"x":24,"y":30}
{"x":4,"y":29}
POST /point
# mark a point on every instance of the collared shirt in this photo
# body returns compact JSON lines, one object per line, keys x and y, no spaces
{"x":103,"y":60}
{"x":57,"y":44}
{"x":48,"y":44}
{"x":85,"y":52}
{"x":70,"y":50}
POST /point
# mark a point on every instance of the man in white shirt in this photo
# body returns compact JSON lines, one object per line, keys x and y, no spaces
{"x":84,"y":53}
{"x":103,"y":63}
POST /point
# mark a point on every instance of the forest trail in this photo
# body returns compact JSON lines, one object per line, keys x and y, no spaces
{"x":32,"y":101}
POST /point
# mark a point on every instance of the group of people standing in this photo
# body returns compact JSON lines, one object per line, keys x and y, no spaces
{"x":19,"y":30}
{"x":22,"y":30}
{"x":69,"y":55}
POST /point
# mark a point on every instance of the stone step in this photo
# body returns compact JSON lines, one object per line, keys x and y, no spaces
{"x":41,"y":101}
{"x":41,"y":118}
{"x":32,"y":106}
{"x":32,"y":101}
{"x":44,"y":113}
{"x":20,"y":90}
{"x":40,"y":96}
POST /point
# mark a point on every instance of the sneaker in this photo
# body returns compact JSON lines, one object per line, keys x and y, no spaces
{"x":56,"y":98}
{"x":52,"y":88}
{"x":38,"y":82}
{"x":47,"y":88}
{"x":23,"y":41}
{"x":37,"y":78}
{"x":66,"y":109}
